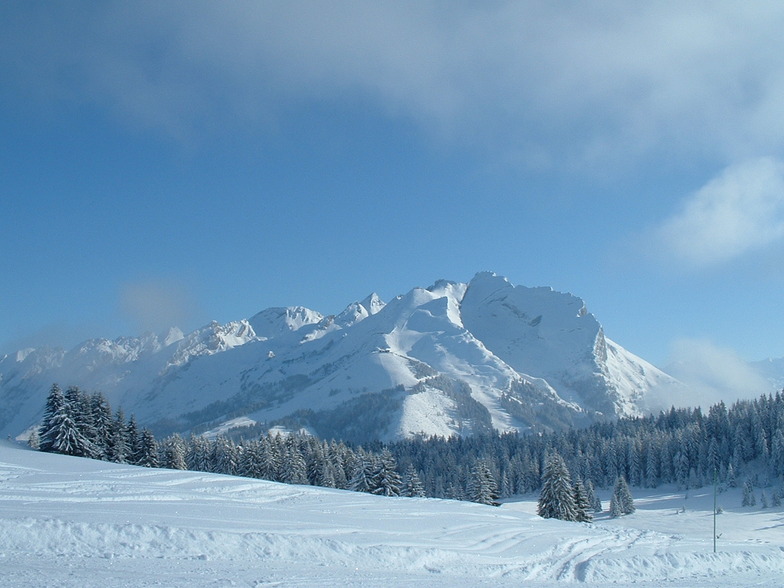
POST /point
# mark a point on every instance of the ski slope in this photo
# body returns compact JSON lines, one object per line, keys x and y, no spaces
{"x":74,"y":522}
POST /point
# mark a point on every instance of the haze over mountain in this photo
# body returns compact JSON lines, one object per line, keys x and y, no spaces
{"x":454,"y":358}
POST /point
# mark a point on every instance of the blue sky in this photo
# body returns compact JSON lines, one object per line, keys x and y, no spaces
{"x":181,"y":162}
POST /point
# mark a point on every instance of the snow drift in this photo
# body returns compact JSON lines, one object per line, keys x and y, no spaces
{"x":74,"y":522}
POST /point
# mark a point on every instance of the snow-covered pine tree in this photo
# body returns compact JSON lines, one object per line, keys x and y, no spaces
{"x":268,"y":466}
{"x":615,"y":507}
{"x":225,"y":457}
{"x":775,"y":499}
{"x":249,"y":459}
{"x":385,"y":480}
{"x":338,"y":456}
{"x":147,"y":455}
{"x":329,"y":472}
{"x":294,"y":470}
{"x":748,"y":494}
{"x":732,"y":481}
{"x":316,"y":463}
{"x":173,"y":453}
{"x":412,"y":484}
{"x":80,"y":411}
{"x":133,"y":440}
{"x":621,"y":502}
{"x":328,"y":477}
{"x":582,"y":503}
{"x":651,"y":468}
{"x":34,"y":441}
{"x":777,"y":453}
{"x":482,"y":487}
{"x":593,"y":499}
{"x":63,"y":436}
{"x":362,"y":478}
{"x":680,"y":463}
{"x":119,"y":449}
{"x":102,"y":424}
{"x":556,"y":500}
{"x":198,"y":454}
{"x":55,"y":404}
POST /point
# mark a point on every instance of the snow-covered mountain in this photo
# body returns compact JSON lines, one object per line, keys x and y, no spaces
{"x":772,"y":370}
{"x":453,"y":358}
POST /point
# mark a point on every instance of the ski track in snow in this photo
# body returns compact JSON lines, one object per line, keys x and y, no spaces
{"x":82,"y":523}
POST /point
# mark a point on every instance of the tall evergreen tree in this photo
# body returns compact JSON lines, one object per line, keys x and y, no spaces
{"x":133,"y":440}
{"x":101,"y":423}
{"x":593,"y":498}
{"x":294,"y":470}
{"x":55,"y":405}
{"x":225,"y":456}
{"x":556,"y":500}
{"x":482,"y":487}
{"x":317,"y":465}
{"x":34,"y":441}
{"x":147,"y":455}
{"x":412,"y":484}
{"x":621,"y":502}
{"x":749,"y":499}
{"x":250,"y":456}
{"x":80,"y":410}
{"x":173,"y":453}
{"x":63,"y":436}
{"x":119,"y":449}
{"x":582,"y":503}
{"x":362,"y":478}
{"x":198,"y":454}
{"x":269,"y":463}
{"x":385,"y":481}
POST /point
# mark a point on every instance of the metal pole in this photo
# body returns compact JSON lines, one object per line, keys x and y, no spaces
{"x":715,"y":480}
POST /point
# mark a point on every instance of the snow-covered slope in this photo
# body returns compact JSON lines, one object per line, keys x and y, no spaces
{"x":772,"y":369}
{"x":72,"y":522}
{"x":451,"y":358}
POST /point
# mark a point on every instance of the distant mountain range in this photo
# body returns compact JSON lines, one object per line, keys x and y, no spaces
{"x":454,"y":358}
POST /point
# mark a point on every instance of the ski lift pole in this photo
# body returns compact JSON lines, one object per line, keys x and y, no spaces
{"x":715,"y":484}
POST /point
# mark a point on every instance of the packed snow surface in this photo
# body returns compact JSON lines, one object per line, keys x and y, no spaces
{"x":73,"y":522}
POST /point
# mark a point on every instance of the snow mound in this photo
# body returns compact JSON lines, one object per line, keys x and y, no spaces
{"x":75,"y":522}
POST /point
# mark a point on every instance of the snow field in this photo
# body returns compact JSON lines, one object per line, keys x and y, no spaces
{"x":75,"y":522}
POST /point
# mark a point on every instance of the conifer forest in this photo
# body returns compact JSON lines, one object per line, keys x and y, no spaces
{"x":740,"y":445}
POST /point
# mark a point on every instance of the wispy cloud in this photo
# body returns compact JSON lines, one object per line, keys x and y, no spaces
{"x":156,"y":304}
{"x":596,"y":83}
{"x":711,"y":374}
{"x":740,"y":211}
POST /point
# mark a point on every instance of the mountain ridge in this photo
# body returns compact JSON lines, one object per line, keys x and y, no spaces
{"x":453,"y":358}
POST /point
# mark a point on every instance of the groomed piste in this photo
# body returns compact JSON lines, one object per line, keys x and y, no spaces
{"x":76,"y":522}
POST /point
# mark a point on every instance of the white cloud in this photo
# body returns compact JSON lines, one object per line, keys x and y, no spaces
{"x":740,"y":211}
{"x":711,"y":374}
{"x":154,"y":305}
{"x":595,"y":83}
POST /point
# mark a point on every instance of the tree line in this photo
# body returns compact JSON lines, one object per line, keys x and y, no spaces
{"x":83,"y":425}
{"x":739,"y":445}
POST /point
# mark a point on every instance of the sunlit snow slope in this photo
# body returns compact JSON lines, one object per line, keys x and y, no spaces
{"x":453,"y":358}
{"x":73,"y":522}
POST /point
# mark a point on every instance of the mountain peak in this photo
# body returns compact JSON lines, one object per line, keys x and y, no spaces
{"x":276,"y":321}
{"x":372,"y":303}
{"x":453,"y":358}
